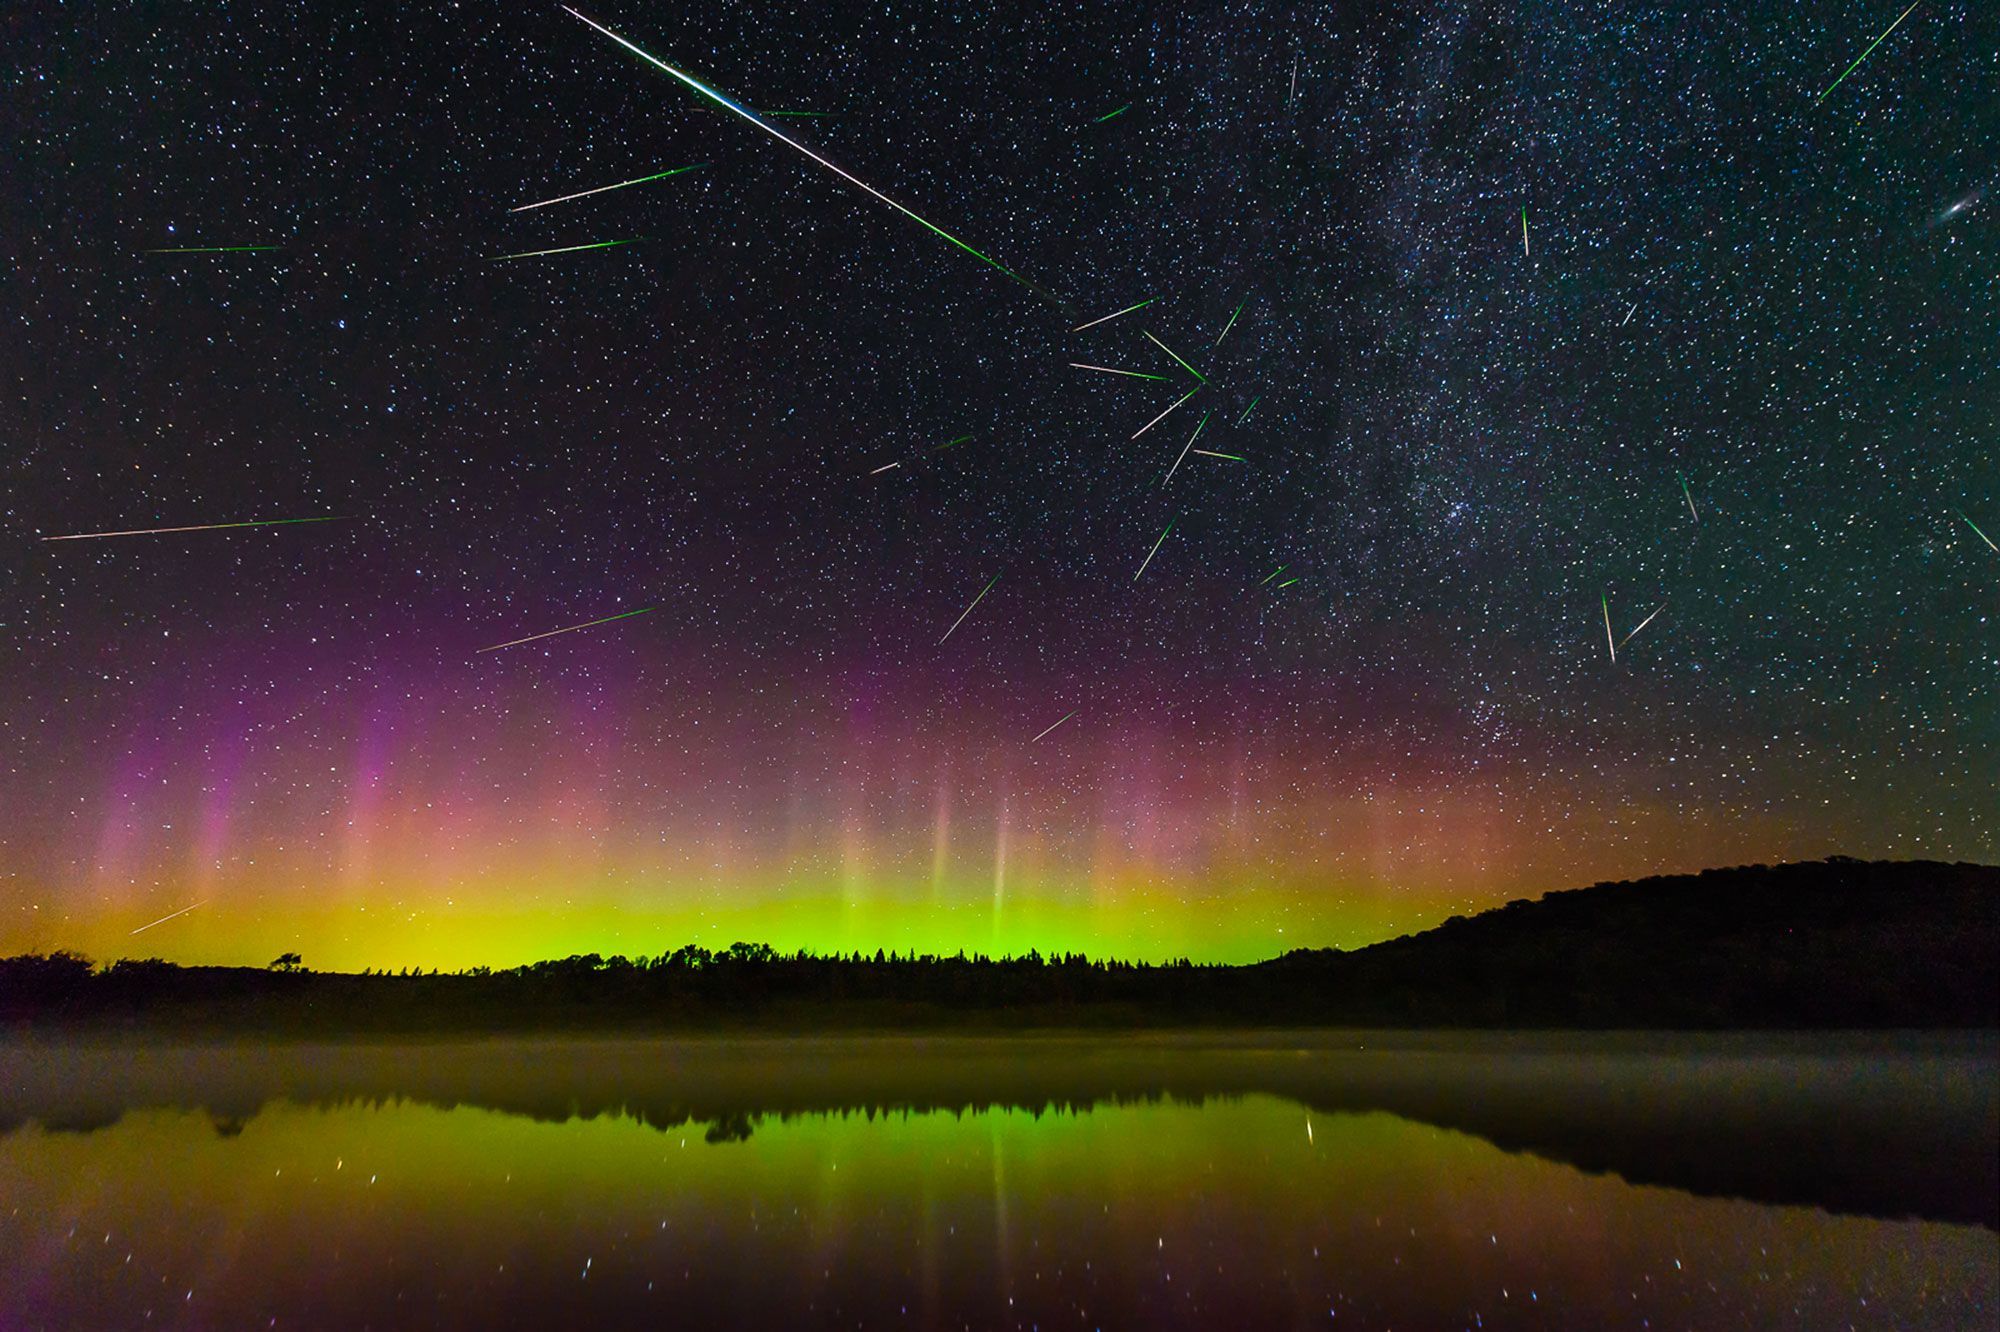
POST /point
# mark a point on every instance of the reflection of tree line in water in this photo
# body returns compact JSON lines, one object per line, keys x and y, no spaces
{"x":1883,"y":1125}
{"x":1833,"y":944}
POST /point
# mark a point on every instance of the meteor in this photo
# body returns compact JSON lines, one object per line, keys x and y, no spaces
{"x":1156,"y":548}
{"x":1686,"y":494}
{"x":658,"y":175}
{"x":1105,"y":369}
{"x":1232,"y":321}
{"x":1288,"y":101}
{"x":948,"y":443}
{"x":1982,"y":536}
{"x":212,"y":249}
{"x":1190,"y":444}
{"x":968,"y":610}
{"x":1864,"y":55}
{"x":1524,"y":230}
{"x":199,"y":527}
{"x":1643,"y":623}
{"x":1287,"y":583}
{"x":1274,"y":573}
{"x":169,"y":916}
{"x":1251,"y":408}
{"x":783,"y":138}
{"x":1211,"y":453}
{"x":1607,"y":629}
{"x":623,"y":615}
{"x":1628,"y":315}
{"x":884,"y":467}
{"x":1170,"y":351}
{"x":565,"y":249}
{"x":1112,"y":115}
{"x":1115,"y":313}
{"x":1072,"y":713}
{"x":1164,"y":415}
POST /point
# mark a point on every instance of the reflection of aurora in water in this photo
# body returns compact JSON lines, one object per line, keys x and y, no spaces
{"x":1225,"y":1212}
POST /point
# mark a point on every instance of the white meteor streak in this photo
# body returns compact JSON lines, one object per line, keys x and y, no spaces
{"x":1105,"y":369}
{"x":1115,"y":313}
{"x":884,"y":467}
{"x":1607,"y":629}
{"x":1190,"y":444}
{"x":1070,"y":714}
{"x":584,"y":194}
{"x":1155,"y":550}
{"x":516,"y":642}
{"x":968,"y":610}
{"x":1643,"y":623}
{"x":169,"y":916}
{"x":787,"y":140}
{"x":1164,"y":415}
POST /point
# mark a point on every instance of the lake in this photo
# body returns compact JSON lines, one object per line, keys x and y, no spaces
{"x":1241,"y":1180}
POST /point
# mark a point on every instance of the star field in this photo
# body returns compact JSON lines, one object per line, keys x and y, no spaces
{"x":1461,"y":452}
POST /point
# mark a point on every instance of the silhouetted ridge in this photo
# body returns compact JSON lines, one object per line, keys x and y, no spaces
{"x":1837,"y":943}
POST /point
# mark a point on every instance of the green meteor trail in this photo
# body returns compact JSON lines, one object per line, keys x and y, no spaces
{"x":1524,"y":229}
{"x":1211,"y":453}
{"x":1170,"y":351}
{"x":1115,"y":313}
{"x":779,"y":135}
{"x":1156,"y":548}
{"x":1982,"y":536}
{"x":1689,"y":496}
{"x":948,"y":443}
{"x":968,"y":610}
{"x":1287,"y":583}
{"x":199,"y":527}
{"x":1251,"y":408}
{"x":658,"y":175}
{"x":623,"y":615}
{"x":213,"y":249}
{"x":1607,"y":629}
{"x":1232,"y":320}
{"x":565,"y":249}
{"x":1274,"y":573}
{"x":1864,"y":55}
{"x":1113,"y":115}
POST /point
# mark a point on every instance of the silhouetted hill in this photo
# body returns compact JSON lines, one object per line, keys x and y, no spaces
{"x":1837,"y":943}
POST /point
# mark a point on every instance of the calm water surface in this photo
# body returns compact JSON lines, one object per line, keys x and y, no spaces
{"x":1125,"y":1182}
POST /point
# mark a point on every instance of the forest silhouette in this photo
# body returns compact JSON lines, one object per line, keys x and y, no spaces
{"x":1826,"y":944}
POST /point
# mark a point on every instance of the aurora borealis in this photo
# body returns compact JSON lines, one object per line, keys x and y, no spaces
{"x":1746,"y":376}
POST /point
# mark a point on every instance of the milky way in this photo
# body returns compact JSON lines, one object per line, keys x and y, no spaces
{"x":1741,"y":375}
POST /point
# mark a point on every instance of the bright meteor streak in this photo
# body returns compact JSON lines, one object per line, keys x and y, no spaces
{"x":564,"y":249}
{"x":782,"y":137}
{"x":1203,"y":424}
{"x":1072,"y":713}
{"x":199,"y":527}
{"x":1689,"y":496}
{"x":968,"y":610}
{"x":1251,"y":408}
{"x":1079,"y":365}
{"x":1113,"y":115}
{"x":1232,"y":320}
{"x":1164,"y":415}
{"x":1864,"y":55}
{"x":1170,"y":351}
{"x":1643,"y":623}
{"x":1156,"y":549}
{"x":1115,"y":313}
{"x":169,"y":916}
{"x":1607,"y":629}
{"x":1982,"y":536}
{"x":580,"y":194}
{"x":1211,"y":453}
{"x":623,"y":615}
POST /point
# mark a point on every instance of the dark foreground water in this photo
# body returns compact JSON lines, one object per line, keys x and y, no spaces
{"x":1319,"y":1180}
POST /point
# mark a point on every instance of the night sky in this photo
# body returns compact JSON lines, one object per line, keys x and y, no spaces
{"x":1455,"y":456}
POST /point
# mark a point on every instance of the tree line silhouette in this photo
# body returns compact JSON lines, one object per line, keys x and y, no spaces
{"x":1836,"y":943}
